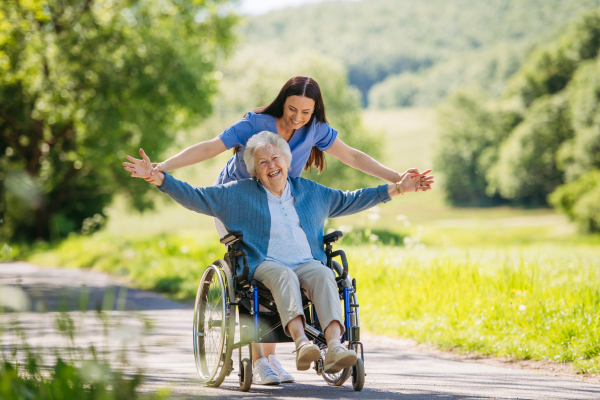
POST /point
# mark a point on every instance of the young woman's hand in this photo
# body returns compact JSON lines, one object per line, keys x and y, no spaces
{"x":408,"y":171}
{"x":157,"y":179}
{"x":413,"y":182}
{"x":139,"y":168}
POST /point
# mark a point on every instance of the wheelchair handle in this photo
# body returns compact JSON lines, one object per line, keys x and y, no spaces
{"x":341,"y":254}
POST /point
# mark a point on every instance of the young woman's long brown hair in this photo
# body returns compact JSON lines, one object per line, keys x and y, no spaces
{"x":300,"y":86}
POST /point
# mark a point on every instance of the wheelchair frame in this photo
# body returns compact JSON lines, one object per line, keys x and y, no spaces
{"x":221,"y":293}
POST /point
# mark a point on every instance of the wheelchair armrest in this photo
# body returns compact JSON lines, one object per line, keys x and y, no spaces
{"x":232,"y":237}
{"x":332,"y":237}
{"x":243,"y":279}
{"x":342,"y":255}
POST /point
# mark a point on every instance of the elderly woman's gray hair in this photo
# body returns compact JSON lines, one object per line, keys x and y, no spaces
{"x":261,"y":139}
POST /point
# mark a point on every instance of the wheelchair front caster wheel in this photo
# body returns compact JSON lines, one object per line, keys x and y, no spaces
{"x":245,"y":375}
{"x":358,"y":375}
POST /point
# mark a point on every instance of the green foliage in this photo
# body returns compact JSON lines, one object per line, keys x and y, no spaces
{"x":381,"y":39}
{"x":486,"y":69}
{"x":555,"y":134}
{"x":582,"y":153}
{"x":80,"y":83}
{"x":253,"y":78}
{"x":550,"y":68}
{"x":93,"y":381}
{"x":580,"y":200}
{"x":471,"y":130}
{"x":527,"y":167}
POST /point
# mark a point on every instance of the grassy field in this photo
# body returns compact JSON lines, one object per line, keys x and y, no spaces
{"x":529,"y":302}
{"x":503,"y":281}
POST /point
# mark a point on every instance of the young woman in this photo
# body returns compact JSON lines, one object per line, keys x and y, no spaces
{"x":297,"y":115}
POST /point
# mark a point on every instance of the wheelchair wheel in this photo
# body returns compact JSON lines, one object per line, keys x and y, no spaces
{"x":245,"y":375}
{"x":341,"y":377}
{"x":336,"y":379}
{"x":213,"y":326}
{"x":358,"y":375}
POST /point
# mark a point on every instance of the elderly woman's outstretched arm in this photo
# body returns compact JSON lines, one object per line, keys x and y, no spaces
{"x":346,"y":203}
{"x":203,"y":200}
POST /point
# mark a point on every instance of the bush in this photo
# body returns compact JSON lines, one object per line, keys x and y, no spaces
{"x":580,"y":200}
{"x":527,"y":168}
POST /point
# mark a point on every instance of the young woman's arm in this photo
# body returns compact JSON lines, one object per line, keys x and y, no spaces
{"x":192,"y":155}
{"x":365,"y":163}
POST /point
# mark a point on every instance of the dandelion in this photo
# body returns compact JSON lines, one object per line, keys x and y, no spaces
{"x":374,"y":217}
{"x":401,"y":217}
{"x":522,"y":307}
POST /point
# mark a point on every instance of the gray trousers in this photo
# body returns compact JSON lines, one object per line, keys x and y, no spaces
{"x":318,"y":283}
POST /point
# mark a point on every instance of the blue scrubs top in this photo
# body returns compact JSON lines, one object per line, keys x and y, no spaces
{"x":318,"y":134}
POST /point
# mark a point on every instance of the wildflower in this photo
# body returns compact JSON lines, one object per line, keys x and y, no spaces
{"x":522,"y":307}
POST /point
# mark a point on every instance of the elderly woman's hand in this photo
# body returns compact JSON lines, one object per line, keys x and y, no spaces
{"x":412,"y":182}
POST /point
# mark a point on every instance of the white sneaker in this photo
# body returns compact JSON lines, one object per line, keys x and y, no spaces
{"x":283,"y":375}
{"x":263,"y":373}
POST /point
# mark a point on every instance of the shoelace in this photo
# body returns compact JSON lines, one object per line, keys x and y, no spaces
{"x":266,"y":369}
{"x":276,"y":365}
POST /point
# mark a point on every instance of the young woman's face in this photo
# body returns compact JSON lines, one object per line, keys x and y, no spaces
{"x":297,"y":111}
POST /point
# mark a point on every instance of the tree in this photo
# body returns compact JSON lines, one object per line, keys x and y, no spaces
{"x":527,"y":169}
{"x":552,"y":137}
{"x":471,"y":130}
{"x":550,"y":68}
{"x":81,"y":81}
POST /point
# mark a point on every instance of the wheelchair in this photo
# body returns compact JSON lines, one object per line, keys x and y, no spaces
{"x":233,"y":311}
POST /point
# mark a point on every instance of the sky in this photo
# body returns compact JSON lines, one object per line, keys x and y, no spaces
{"x":256,"y":7}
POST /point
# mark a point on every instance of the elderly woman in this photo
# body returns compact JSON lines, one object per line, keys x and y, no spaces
{"x":282,"y":219}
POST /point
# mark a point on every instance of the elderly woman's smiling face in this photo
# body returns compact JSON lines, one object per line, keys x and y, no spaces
{"x":271,"y":168}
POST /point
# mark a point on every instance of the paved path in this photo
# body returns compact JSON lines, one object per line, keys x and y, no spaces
{"x":393,"y":370}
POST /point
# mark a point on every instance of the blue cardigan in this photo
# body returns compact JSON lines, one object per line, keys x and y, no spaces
{"x":242,"y":206}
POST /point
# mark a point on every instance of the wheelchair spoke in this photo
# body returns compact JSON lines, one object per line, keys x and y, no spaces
{"x":209,"y":336}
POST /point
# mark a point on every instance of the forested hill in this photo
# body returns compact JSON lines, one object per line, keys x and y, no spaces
{"x":379,"y":39}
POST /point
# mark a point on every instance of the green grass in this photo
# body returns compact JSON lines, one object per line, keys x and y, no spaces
{"x":170,"y":264}
{"x":529,"y":302}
